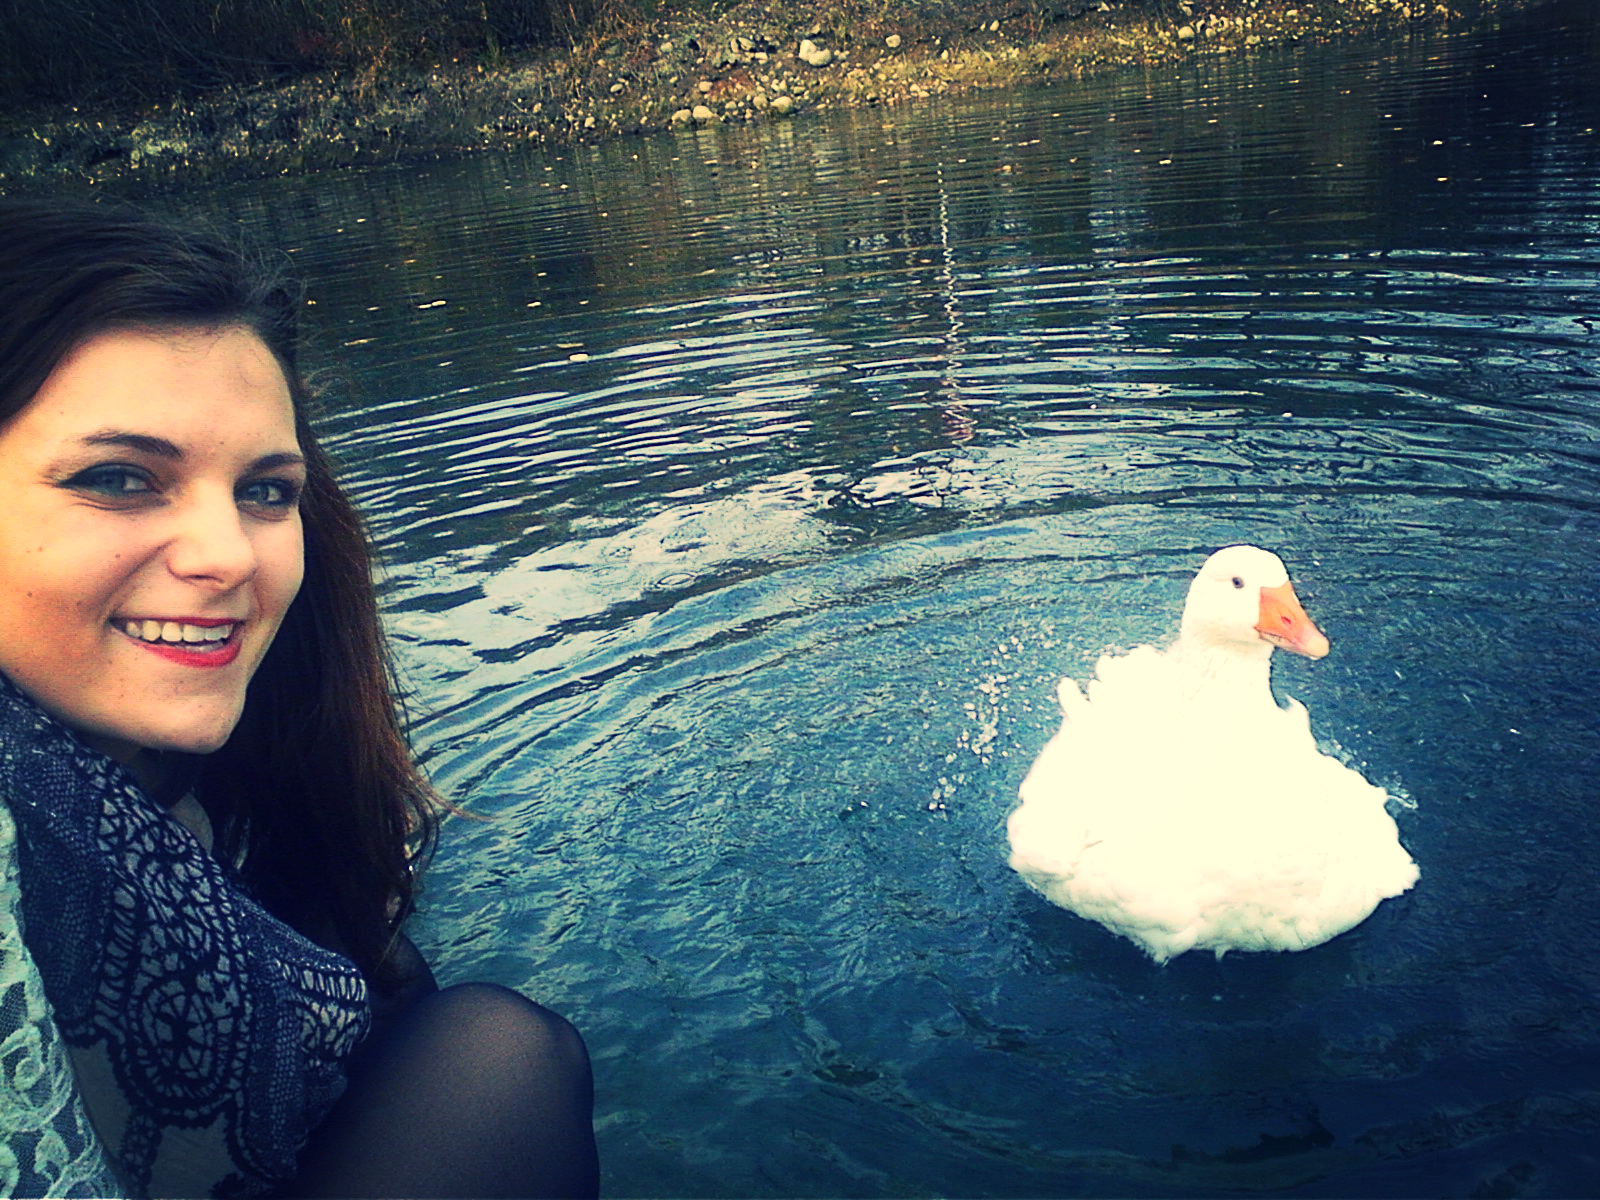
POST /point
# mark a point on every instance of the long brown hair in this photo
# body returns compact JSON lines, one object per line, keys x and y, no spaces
{"x":315,"y":793}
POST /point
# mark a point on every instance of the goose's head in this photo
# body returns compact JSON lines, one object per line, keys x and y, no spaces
{"x":1242,"y":600}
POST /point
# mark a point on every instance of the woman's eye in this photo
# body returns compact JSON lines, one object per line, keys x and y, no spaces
{"x":277,"y":494}
{"x":113,"y":481}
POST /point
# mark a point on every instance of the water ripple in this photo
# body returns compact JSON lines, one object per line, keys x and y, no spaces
{"x":744,"y":493}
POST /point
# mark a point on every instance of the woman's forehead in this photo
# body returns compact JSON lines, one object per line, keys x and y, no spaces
{"x":123,"y":379}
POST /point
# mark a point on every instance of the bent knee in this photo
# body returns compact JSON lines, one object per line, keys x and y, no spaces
{"x":507,"y":1026}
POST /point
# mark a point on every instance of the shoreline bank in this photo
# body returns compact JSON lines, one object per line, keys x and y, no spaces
{"x":754,"y":61}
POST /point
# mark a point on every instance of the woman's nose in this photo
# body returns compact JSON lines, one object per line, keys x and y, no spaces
{"x":211,"y":544}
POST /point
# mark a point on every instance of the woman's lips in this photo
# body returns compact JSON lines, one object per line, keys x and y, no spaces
{"x":197,"y":642}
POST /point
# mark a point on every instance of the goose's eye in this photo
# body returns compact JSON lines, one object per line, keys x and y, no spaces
{"x":1238,"y":582}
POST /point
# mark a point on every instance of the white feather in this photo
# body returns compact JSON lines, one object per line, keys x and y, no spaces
{"x":1181,"y":807}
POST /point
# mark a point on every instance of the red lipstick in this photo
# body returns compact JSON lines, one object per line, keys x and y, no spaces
{"x":178,"y":653}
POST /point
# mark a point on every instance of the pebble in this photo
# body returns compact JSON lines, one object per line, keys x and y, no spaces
{"x":813,"y":54}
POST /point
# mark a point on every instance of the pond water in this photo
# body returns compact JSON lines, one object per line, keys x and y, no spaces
{"x":745,"y":491}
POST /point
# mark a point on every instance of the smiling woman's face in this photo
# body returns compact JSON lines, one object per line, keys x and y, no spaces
{"x":150,"y":539}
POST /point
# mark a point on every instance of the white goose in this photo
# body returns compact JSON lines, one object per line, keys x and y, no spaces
{"x":1181,"y":807}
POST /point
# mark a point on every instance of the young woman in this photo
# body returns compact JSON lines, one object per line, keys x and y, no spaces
{"x":217,"y":819}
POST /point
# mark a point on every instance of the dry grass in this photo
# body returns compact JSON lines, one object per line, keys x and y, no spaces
{"x":610,"y":67}
{"x":88,"y":50}
{"x":99,"y":51}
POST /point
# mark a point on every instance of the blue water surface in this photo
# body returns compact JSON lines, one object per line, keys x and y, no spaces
{"x":744,"y":492}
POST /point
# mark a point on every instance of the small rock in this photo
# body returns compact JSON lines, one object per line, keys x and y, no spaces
{"x":682,"y":117}
{"x":813,"y":54}
{"x":1186,"y":33}
{"x":892,"y":41}
{"x":704,"y":86}
{"x":615,"y":88}
{"x":665,"y":48}
{"x":782,"y":105}
{"x":703,"y":115}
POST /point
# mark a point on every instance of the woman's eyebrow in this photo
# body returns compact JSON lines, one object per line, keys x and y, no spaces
{"x":142,"y":442}
{"x":160,"y":447}
{"x":270,"y":462}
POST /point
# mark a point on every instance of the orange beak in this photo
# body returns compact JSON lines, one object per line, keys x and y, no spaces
{"x":1284,"y":623}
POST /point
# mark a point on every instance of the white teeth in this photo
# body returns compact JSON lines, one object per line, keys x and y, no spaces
{"x":175,"y":632}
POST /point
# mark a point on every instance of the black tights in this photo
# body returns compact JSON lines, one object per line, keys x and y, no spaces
{"x":474,"y":1091}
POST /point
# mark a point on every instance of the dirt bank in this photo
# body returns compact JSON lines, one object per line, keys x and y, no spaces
{"x":757,"y":60}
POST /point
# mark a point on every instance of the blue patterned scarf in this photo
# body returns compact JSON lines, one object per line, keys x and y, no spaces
{"x":214,"y":1016}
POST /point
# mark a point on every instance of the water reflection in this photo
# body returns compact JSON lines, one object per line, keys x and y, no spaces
{"x":744,"y":493}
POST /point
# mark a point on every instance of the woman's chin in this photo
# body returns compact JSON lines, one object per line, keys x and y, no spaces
{"x":125,"y":745}
{"x":196,"y":741}
{"x":196,"y":745}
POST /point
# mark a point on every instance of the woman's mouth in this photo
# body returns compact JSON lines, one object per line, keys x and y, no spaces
{"x":193,"y":644}
{"x":174,"y":632}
